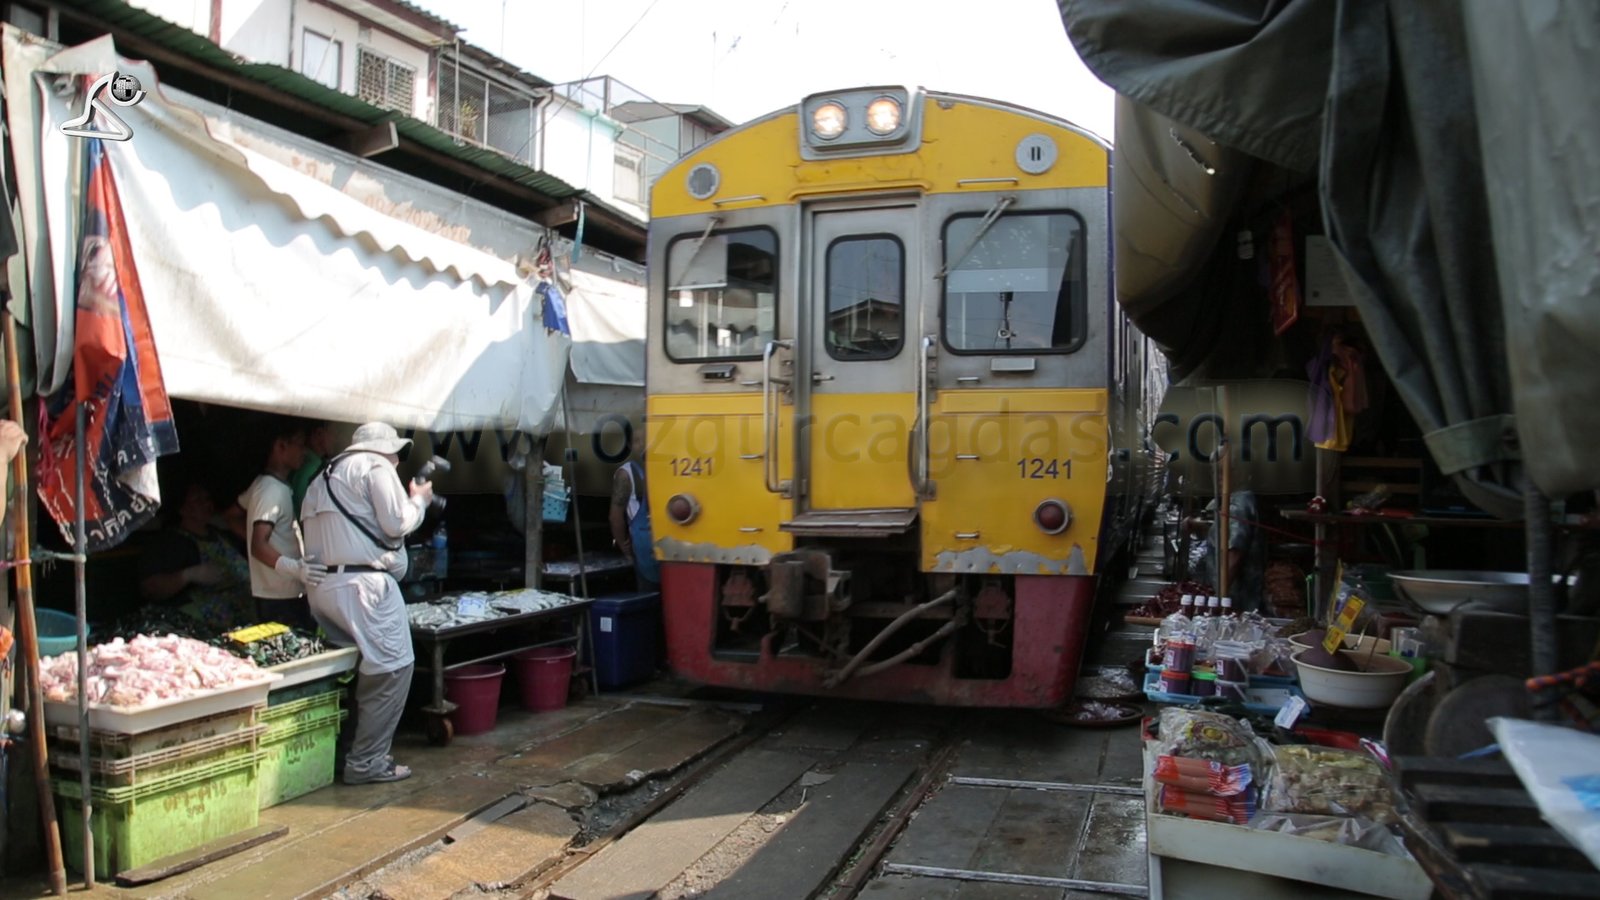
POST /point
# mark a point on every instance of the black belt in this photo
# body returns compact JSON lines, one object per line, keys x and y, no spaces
{"x":339,"y":570}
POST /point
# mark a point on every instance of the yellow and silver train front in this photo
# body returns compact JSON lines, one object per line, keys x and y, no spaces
{"x":877,"y":399}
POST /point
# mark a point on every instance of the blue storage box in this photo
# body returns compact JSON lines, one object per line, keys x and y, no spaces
{"x":556,"y":501}
{"x":627,"y":642}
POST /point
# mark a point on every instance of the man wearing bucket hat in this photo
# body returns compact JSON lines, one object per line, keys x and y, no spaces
{"x":356,"y":516}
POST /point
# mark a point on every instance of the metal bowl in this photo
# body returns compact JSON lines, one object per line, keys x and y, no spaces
{"x":1439,"y":591}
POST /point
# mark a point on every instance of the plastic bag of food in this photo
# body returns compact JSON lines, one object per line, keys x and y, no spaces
{"x":1198,"y":734}
{"x":1202,"y":776}
{"x":1352,"y":831}
{"x":1237,"y":810}
{"x":1327,"y":781}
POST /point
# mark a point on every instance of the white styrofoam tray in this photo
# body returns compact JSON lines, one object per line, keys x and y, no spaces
{"x":137,"y":720}
{"x":300,"y":671}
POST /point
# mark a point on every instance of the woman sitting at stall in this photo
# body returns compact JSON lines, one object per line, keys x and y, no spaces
{"x":195,"y":567}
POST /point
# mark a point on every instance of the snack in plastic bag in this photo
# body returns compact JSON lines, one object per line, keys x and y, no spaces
{"x":1237,"y":810}
{"x":1198,"y":734}
{"x":1352,"y":831}
{"x":1202,"y":776}
{"x":1327,"y":781}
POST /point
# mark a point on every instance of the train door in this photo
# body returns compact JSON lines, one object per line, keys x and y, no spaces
{"x":860,"y":319}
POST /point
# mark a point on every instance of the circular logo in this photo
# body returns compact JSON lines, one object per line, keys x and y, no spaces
{"x":125,"y":88}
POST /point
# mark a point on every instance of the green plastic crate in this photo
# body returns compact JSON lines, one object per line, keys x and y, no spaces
{"x":286,"y":716}
{"x":135,"y":826}
{"x":155,"y":765}
{"x":295,"y":692}
{"x":299,"y":759}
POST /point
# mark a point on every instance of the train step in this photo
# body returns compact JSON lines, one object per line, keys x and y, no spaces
{"x":851,"y":523}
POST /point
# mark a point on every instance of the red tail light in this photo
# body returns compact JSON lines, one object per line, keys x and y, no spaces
{"x":682,"y":508}
{"x":1052,"y":516}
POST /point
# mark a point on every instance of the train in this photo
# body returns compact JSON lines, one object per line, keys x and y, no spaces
{"x":893,"y":412}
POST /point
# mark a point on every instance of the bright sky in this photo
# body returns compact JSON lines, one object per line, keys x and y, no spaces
{"x":745,"y":58}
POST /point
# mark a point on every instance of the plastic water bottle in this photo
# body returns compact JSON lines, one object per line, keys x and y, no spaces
{"x":441,"y":553}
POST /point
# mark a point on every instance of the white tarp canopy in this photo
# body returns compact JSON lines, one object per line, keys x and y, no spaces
{"x":269,"y":289}
{"x":608,"y":322}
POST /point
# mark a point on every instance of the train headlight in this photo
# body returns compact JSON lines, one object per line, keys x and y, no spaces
{"x":1052,"y":516}
{"x":828,"y":121}
{"x":683,"y":508}
{"x":883,"y":115}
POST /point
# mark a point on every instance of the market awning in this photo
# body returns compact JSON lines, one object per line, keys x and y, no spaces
{"x":1399,"y":111}
{"x":271,"y":289}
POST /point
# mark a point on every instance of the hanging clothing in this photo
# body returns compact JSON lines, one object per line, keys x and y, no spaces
{"x":1338,"y":394}
{"x":639,"y":531}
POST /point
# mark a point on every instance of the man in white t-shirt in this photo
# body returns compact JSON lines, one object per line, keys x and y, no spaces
{"x":278,"y":576}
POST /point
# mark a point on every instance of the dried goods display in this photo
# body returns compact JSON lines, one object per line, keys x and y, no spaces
{"x":272,"y":644}
{"x":147,"y":670}
{"x":1328,"y":781}
{"x":1284,"y":585}
{"x":482,"y":606}
{"x":1168,"y":599}
{"x":1198,"y":734}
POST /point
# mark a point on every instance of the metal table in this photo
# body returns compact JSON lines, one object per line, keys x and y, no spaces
{"x":599,"y":568}
{"x":432,"y":642}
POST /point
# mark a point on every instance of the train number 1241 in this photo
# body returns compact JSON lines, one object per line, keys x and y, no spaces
{"x":686,"y":466}
{"x":1034,"y":467}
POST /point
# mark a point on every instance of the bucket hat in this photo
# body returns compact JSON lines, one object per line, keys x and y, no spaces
{"x":378,"y":438}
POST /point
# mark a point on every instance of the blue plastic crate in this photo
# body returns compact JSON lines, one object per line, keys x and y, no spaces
{"x":1266,"y":700}
{"x":556,"y":502}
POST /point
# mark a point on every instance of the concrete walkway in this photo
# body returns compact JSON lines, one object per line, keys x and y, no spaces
{"x":538,"y":772}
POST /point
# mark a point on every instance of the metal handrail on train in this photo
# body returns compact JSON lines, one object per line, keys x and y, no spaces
{"x":769,"y":452}
{"x":919,"y":478}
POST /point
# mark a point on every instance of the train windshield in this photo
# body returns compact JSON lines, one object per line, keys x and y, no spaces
{"x":865,"y":297}
{"x":722,"y":290}
{"x":1019,"y":287}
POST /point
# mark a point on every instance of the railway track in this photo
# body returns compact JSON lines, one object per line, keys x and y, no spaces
{"x":835,"y":800}
{"x":804,"y":803}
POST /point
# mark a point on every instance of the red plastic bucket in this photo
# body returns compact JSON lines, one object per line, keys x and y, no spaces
{"x":544,"y":675}
{"x":475,"y":690}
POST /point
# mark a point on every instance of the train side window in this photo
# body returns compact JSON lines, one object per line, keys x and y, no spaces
{"x":865,"y":297}
{"x":722,"y":291}
{"x":1017,"y":286}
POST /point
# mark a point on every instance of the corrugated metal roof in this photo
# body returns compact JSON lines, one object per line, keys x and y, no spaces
{"x":121,"y":16}
{"x":436,"y":18}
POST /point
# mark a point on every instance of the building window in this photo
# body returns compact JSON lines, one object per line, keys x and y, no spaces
{"x":384,"y":82}
{"x":629,"y":184}
{"x":321,"y":58}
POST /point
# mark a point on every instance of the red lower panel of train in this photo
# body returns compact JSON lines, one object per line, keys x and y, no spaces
{"x":1050,"y":621}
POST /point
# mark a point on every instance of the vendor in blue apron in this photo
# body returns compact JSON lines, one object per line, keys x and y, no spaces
{"x":630,"y":515}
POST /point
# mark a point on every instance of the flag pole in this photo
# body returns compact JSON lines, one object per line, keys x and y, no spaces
{"x":28,"y":631}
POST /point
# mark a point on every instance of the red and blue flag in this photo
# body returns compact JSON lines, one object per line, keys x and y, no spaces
{"x":116,"y":378}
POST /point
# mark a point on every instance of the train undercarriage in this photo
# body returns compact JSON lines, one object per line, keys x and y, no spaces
{"x":864,"y":622}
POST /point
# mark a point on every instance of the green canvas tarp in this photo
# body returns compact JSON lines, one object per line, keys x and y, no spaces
{"x":1453,"y":150}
